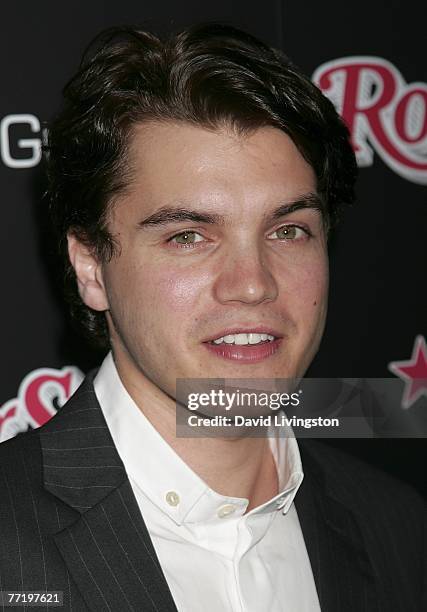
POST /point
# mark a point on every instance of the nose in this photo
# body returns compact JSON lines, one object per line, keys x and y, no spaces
{"x":245,"y":277}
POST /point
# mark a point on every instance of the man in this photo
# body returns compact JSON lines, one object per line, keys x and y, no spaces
{"x":193,"y":183}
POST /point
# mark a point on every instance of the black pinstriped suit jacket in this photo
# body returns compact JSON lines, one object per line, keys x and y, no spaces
{"x":69,"y":521}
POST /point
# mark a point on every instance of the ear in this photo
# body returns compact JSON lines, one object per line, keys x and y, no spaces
{"x":89,"y":274}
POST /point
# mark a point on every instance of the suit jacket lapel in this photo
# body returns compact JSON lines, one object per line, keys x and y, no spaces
{"x":107,"y":548}
{"x":106,"y":545}
{"x":333,"y":534}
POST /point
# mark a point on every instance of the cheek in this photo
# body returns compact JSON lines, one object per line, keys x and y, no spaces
{"x":307,"y":290}
{"x":163,"y":297}
{"x":314,"y":286}
{"x":179,"y":289}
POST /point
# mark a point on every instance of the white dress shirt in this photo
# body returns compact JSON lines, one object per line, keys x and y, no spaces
{"x":215,"y":558}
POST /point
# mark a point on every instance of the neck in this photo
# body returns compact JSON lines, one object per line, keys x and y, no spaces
{"x":235,"y":467}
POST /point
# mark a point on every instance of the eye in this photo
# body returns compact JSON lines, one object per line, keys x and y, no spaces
{"x":186,"y":238}
{"x":289,"y":232}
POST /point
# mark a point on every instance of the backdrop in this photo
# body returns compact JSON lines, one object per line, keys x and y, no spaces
{"x":367,"y":59}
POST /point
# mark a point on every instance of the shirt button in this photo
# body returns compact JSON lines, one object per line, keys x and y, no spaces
{"x":226,"y":509}
{"x":280,"y":501}
{"x":172,"y":498}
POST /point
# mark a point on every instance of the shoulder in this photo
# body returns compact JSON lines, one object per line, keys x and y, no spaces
{"x":355,"y":476}
{"x":13,"y":452}
{"x":21,"y":457}
{"x":380,"y":501}
{"x":21,"y":469}
{"x":22,"y":493}
{"x":383,"y":520}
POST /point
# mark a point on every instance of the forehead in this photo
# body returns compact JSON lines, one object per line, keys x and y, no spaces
{"x":171,"y":162}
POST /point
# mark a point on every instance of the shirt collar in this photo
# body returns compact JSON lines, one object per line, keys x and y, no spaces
{"x":162,"y":476}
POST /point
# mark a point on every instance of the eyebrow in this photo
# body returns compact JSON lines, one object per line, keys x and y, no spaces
{"x":176,"y":214}
{"x":308,"y":200}
{"x":172,"y":214}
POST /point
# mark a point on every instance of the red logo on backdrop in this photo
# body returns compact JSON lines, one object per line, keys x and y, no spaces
{"x":414,"y":372}
{"x":40,"y":395}
{"x":382,"y":111}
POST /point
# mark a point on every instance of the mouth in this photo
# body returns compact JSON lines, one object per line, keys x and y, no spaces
{"x":249,"y":345}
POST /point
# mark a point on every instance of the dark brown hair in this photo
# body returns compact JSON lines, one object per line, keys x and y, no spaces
{"x":209,"y":75}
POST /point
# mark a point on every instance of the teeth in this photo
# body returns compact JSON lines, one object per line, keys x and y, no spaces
{"x":242,"y":339}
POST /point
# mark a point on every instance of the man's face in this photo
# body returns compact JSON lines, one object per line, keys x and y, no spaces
{"x":208,"y":250}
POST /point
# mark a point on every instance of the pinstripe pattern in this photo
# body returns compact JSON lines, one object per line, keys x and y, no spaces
{"x":69,"y":521}
{"x":366,"y":534}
